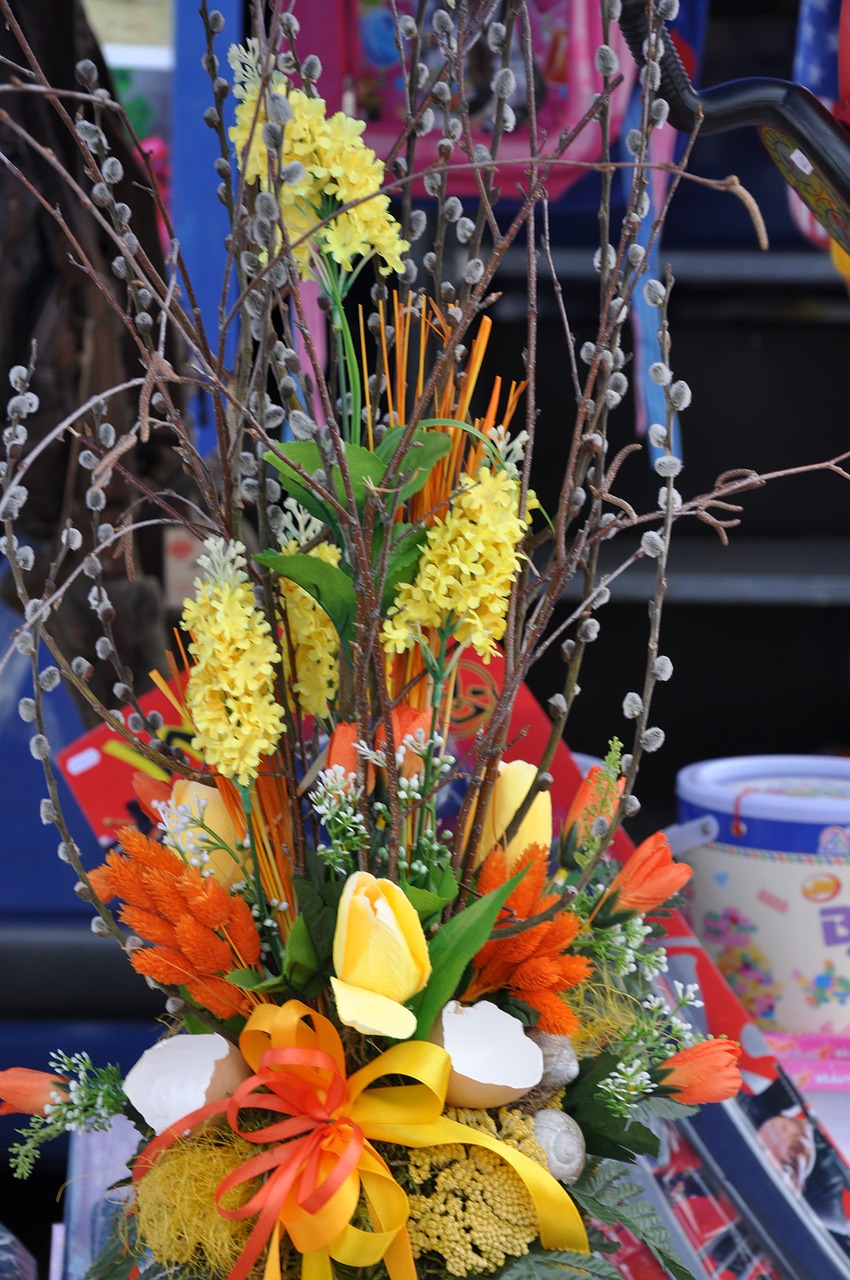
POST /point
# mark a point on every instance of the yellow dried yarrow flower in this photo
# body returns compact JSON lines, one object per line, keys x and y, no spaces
{"x":466,"y":569}
{"x":327,"y":165}
{"x":473,"y":1210}
{"x":310,"y":645}
{"x":230,"y":694}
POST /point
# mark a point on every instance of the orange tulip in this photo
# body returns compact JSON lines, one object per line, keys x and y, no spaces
{"x":24,"y":1091}
{"x":150,"y":792}
{"x":586,"y":802}
{"x":704,"y":1072}
{"x":341,"y":749}
{"x":407,"y":721}
{"x":649,"y":877}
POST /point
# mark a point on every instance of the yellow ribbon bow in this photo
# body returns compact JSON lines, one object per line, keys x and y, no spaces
{"x":323,"y":1154}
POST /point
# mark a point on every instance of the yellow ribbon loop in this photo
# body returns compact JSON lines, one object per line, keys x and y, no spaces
{"x":318,"y":1158}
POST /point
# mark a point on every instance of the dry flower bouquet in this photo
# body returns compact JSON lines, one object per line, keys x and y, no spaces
{"x":411,"y":1025}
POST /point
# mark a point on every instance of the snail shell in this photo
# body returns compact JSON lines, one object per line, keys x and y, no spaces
{"x":560,"y":1064}
{"x":563,"y":1141}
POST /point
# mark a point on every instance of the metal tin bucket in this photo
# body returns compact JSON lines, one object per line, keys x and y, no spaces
{"x":770,"y":895}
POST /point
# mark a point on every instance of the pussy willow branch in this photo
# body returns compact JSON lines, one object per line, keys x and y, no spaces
{"x":480,"y":291}
{"x":485,"y":180}
{"x":660,"y":587}
{"x":71,"y":851}
{"x":515,"y":614}
{"x":537,"y":631}
{"x":478,"y":793}
{"x":55,"y":433}
{"x":626,"y":236}
{"x":531,"y":264}
{"x":56,"y":97}
{"x":165,"y":292}
{"x":58,"y":217}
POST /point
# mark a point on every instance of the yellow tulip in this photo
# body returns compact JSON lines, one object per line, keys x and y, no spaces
{"x":380,"y":956}
{"x":207,"y":800}
{"x":511,"y":788}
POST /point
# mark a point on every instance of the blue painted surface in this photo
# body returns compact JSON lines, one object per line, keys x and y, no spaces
{"x":200,"y":220}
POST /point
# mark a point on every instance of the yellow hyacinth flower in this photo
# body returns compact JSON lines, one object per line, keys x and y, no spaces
{"x":230,"y":694}
{"x":328,"y":166}
{"x":311,"y":646}
{"x":467,"y":568}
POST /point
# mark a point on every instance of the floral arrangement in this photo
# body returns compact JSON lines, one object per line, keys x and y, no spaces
{"x":415,"y":1023}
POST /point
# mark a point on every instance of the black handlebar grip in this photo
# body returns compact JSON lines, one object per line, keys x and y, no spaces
{"x":675,"y":86}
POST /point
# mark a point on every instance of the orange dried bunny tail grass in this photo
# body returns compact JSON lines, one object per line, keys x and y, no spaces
{"x":556,"y":1017}
{"x":221,"y":998}
{"x":102,"y":882}
{"x":163,"y":964}
{"x":241,"y":929}
{"x":206,"y":951}
{"x":147,"y":852}
{"x":206,"y":900}
{"x":167,"y":893}
{"x":534,"y":964}
{"x":150,"y":926}
{"x":121,"y":878}
{"x":173,"y":907}
{"x":172,"y":969}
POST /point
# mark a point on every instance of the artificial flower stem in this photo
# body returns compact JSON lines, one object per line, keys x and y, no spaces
{"x":247,"y":805}
{"x":440,"y":670}
{"x":348,"y":366}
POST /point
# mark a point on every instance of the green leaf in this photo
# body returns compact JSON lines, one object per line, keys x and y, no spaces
{"x":119,"y":1257}
{"x":250,"y":980}
{"x":605,"y":1133}
{"x":426,"y":902}
{"x":365,"y":469}
{"x":446,"y":884}
{"x":666,"y":1108}
{"x":559,"y":1264}
{"x":194,"y":1025}
{"x":402,"y":562}
{"x":301,"y":961}
{"x":318,"y":905}
{"x":452,"y":947}
{"x":425,"y":450}
{"x":518,"y":1009}
{"x":612,"y":1200}
{"x":301,"y":492}
{"x":329,"y":586}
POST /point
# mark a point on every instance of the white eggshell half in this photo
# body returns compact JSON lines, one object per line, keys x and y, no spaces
{"x":493,"y":1061}
{"x":181,"y":1074}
